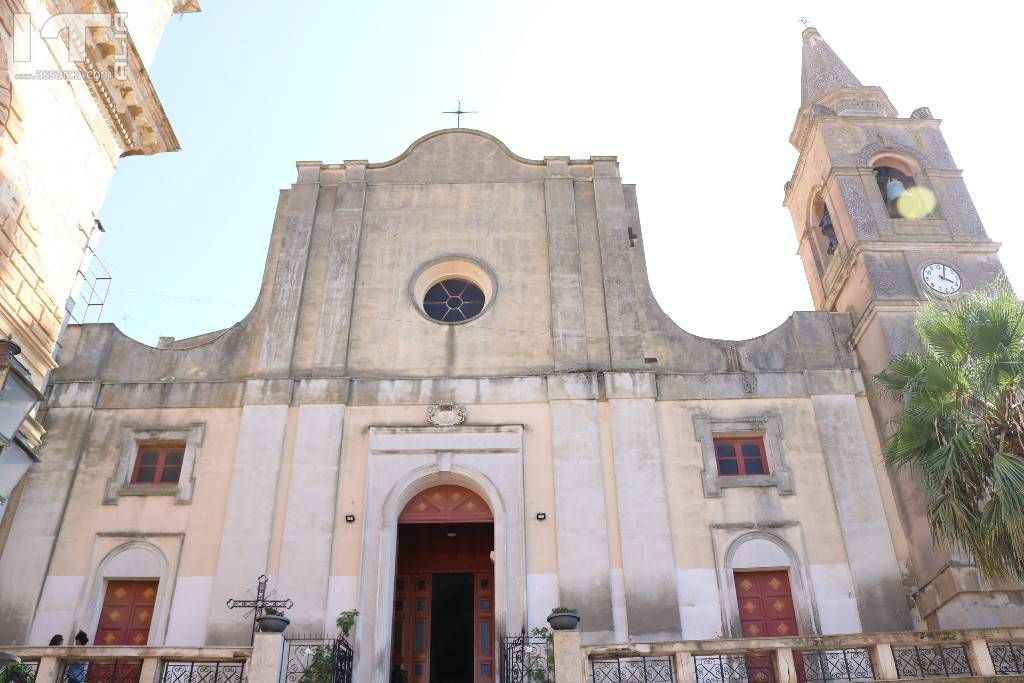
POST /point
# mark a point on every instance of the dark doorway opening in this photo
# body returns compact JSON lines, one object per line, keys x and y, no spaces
{"x":451,"y":648}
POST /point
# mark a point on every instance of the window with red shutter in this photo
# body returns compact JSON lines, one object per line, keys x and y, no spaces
{"x":741,"y":456}
{"x":158,"y":463}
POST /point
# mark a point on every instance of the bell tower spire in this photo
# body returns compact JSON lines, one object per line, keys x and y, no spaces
{"x":821,"y":70}
{"x":829,"y":88}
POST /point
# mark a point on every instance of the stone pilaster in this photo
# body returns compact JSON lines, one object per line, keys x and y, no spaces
{"x":568,"y":324}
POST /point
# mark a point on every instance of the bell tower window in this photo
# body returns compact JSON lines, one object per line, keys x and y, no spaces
{"x":903,"y":197}
{"x":828,"y":231}
{"x":893,"y":184}
{"x":821,"y":232}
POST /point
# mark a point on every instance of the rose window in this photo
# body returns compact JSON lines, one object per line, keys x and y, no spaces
{"x":453,"y":301}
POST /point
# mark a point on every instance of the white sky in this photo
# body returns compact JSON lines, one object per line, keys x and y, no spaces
{"x":696,"y":101}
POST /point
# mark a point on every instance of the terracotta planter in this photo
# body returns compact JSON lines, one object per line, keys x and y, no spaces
{"x":564,"y":621}
{"x":270,"y":623}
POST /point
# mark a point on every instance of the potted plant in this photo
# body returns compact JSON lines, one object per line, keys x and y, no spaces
{"x":563,"y":618}
{"x":346,"y":620}
{"x":272,"y":621}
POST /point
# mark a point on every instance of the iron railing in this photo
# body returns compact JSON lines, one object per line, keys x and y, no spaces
{"x":1007,"y":658}
{"x":932,"y":661}
{"x":527,"y":659}
{"x":101,"y":671}
{"x":318,"y":659}
{"x":19,"y":672}
{"x":633,"y":670}
{"x":174,"y":671}
{"x":853,"y":664}
{"x":750,"y":667}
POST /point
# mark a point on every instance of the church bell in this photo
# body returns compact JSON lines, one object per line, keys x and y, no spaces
{"x":894,"y":189}
{"x":829,"y":231}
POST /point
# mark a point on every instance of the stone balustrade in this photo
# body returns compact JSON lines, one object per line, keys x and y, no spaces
{"x":922,"y":655}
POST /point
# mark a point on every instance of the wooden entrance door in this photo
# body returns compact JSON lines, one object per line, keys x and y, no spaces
{"x":410,"y":627}
{"x":483,"y":627}
{"x":766,"y":604}
{"x":766,"y":611}
{"x":127,"y":613}
{"x":443,"y":531}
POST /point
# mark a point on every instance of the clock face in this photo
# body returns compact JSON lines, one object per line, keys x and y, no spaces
{"x":941,"y":278}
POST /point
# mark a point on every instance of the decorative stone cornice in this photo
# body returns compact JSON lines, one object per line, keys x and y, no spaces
{"x":127,"y":97}
{"x":865,"y":101}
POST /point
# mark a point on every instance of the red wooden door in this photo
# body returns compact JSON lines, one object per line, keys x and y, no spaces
{"x":127,"y":613}
{"x":766,"y":604}
{"x":483,"y":621}
{"x":443,"y":530}
{"x":766,"y":611}
{"x":410,"y":630}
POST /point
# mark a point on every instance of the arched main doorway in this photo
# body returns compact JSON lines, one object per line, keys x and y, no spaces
{"x":443,"y":624}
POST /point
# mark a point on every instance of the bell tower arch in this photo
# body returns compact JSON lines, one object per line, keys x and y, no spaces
{"x":884,"y":223}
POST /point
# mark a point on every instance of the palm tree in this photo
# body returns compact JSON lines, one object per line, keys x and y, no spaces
{"x":962,"y":425}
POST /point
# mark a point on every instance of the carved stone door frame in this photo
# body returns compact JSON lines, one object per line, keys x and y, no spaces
{"x":404,"y":461}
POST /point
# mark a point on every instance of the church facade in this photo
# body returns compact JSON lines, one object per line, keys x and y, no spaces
{"x":457,"y":405}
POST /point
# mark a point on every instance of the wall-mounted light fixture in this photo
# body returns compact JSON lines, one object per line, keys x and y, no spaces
{"x":541,"y":516}
{"x":350,"y":518}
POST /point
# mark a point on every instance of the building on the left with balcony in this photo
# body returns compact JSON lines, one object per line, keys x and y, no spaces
{"x":75,"y":97}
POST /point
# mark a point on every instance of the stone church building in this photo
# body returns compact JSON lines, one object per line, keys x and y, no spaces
{"x":457,"y":404}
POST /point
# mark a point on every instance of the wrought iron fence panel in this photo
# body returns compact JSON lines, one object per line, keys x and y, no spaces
{"x":852,"y":664}
{"x":202,"y":672}
{"x":527,"y":659}
{"x":343,"y":657}
{"x":1008,"y":658}
{"x":633,"y":670}
{"x":318,"y":659}
{"x":752,"y":667}
{"x":931,"y":661}
{"x":102,"y":671}
{"x":23,"y":672}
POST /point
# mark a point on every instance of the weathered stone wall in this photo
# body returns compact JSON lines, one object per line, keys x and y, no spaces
{"x":585,"y":403}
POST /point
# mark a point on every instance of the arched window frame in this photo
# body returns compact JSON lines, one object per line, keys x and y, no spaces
{"x":824,"y":248}
{"x":902,"y":166}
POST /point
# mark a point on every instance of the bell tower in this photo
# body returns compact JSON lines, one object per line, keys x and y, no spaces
{"x":884,"y":222}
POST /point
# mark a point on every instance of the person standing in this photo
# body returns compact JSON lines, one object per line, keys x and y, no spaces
{"x":75,"y":672}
